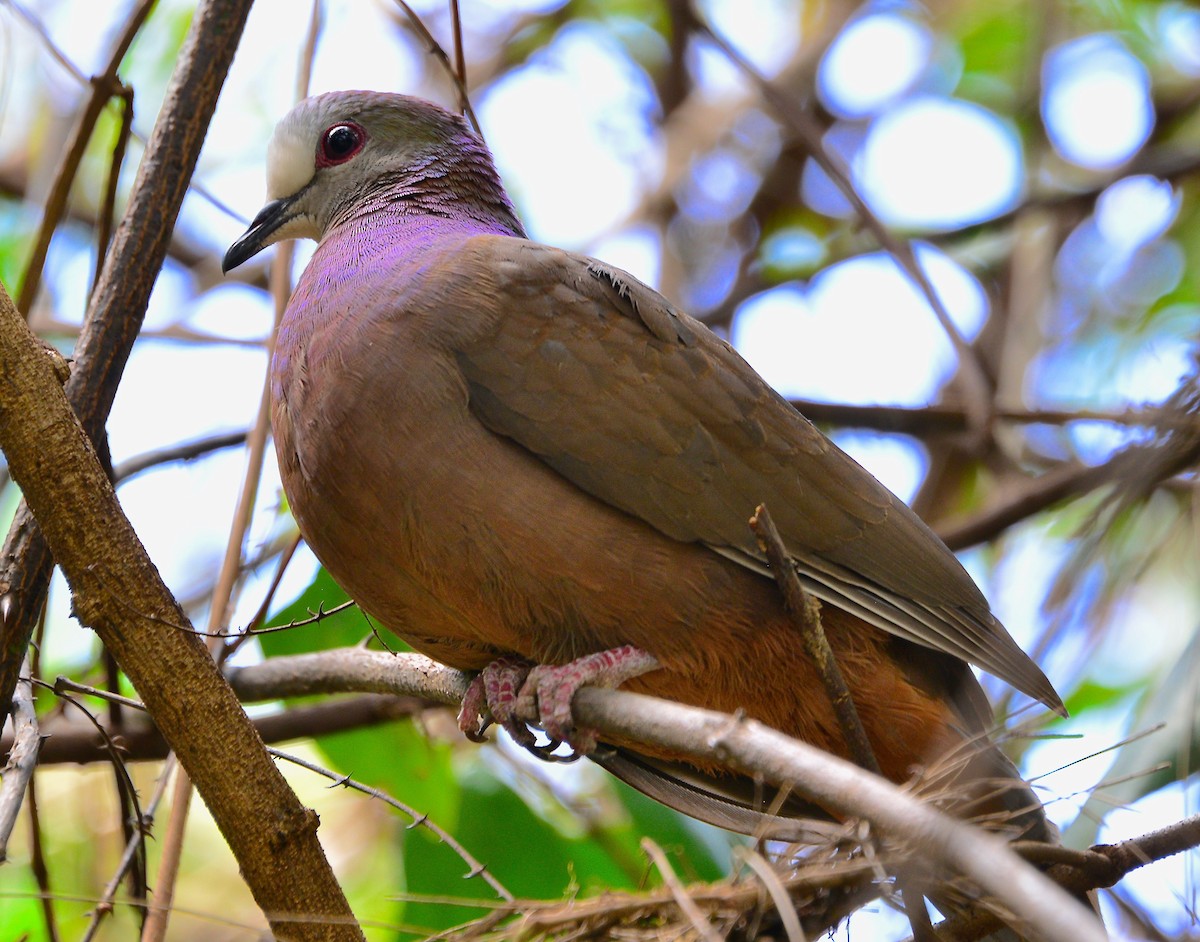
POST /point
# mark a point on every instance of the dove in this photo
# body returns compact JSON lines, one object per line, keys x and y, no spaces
{"x":529,"y":464}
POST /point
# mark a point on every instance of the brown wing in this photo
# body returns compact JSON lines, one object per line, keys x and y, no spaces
{"x":643,"y":407}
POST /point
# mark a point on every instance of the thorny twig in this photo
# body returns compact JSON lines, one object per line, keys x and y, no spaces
{"x":475,"y":868}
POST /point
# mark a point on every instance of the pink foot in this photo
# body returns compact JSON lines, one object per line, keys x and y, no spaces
{"x":492,"y":698}
{"x":512,"y":692}
{"x":549,"y":689}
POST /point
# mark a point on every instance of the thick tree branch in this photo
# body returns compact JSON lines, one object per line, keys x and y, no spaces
{"x":117,"y":591}
{"x":118,"y":304}
{"x":119,"y":301}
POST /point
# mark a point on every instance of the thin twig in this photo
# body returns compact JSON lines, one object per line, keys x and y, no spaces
{"x":474,"y":867}
{"x":774,"y":886}
{"x":111,"y":749}
{"x":460,"y":63}
{"x":436,"y":50}
{"x":22,"y":758}
{"x":948,"y":420}
{"x":686,"y":904}
{"x":104,"y":86}
{"x":132,"y":849}
{"x":108,"y":206}
{"x":62,"y":684}
{"x":805,"y":612}
{"x":155,"y":927}
{"x":37,"y":863}
{"x":254,"y":626}
{"x":185,"y":451}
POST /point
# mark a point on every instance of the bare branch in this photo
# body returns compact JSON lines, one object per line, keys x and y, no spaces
{"x":104,"y":87}
{"x":22,"y":751}
{"x":69,"y":741}
{"x":744,"y":745}
{"x":185,"y":451}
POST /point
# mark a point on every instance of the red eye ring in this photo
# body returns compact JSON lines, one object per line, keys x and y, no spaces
{"x":340,"y":143}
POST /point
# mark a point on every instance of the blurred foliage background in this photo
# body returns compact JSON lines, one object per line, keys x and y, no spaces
{"x":1036,"y":162}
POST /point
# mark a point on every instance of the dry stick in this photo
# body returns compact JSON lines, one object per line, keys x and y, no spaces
{"x":104,"y":86}
{"x":435,"y":49}
{"x":117,"y":592}
{"x":687,"y":905}
{"x":22,"y":758}
{"x":743,"y":745}
{"x":805,"y":612}
{"x":108,"y":208}
{"x":978,"y":386}
{"x":105,"y":904}
{"x":778,"y":892}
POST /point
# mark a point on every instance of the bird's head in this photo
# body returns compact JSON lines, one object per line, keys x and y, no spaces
{"x":331,"y":151}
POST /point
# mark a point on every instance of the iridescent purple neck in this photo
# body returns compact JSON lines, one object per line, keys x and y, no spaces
{"x":457,"y":183}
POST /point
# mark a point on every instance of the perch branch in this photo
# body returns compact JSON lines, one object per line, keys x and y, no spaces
{"x":746,"y":746}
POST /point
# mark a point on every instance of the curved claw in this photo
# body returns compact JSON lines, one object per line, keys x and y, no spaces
{"x":474,"y":716}
{"x":491,"y":698}
{"x":549,"y":689}
{"x":512,"y":692}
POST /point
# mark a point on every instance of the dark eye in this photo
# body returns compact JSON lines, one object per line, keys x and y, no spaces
{"x":339,"y":143}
